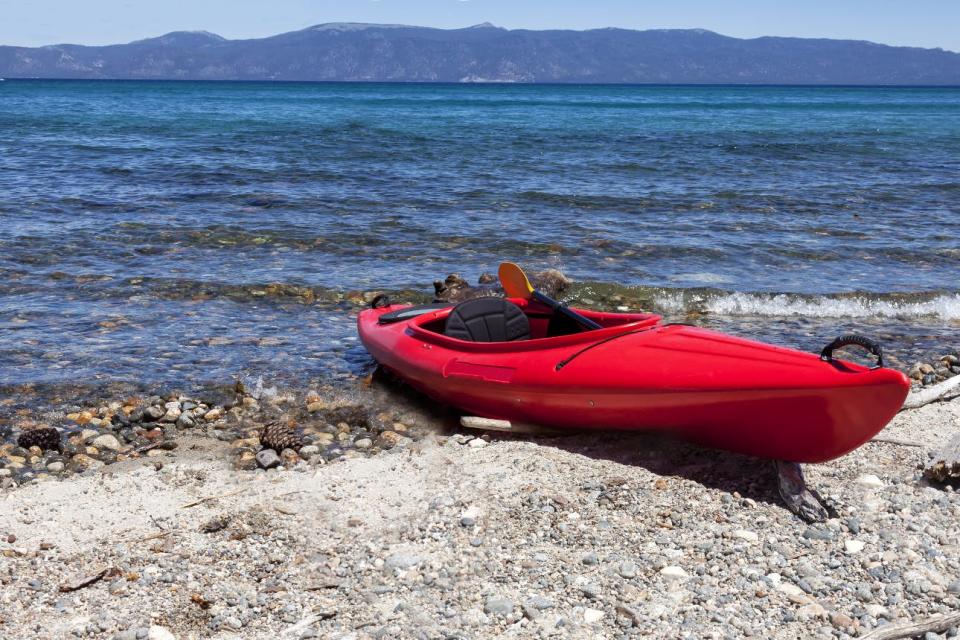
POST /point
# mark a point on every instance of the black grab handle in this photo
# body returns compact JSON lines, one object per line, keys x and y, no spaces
{"x":852,"y":339}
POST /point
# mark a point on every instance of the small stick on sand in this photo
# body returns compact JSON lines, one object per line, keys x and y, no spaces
{"x":209,"y":498}
{"x":89,"y":580}
{"x":902,"y":443}
{"x":154,"y":536}
{"x":936,"y":624}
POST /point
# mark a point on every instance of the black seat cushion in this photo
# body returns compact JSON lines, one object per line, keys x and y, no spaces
{"x":487,"y":320}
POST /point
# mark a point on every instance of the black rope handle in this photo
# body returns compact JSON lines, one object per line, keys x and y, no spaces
{"x":852,"y":339}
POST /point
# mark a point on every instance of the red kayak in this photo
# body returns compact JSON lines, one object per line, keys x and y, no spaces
{"x":514,"y":361}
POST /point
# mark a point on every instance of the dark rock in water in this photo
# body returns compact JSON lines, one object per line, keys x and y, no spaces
{"x":153,"y":413}
{"x":46,"y":438}
{"x":279,"y":436}
{"x":221,"y":397}
{"x":356,"y":415}
{"x":455,"y":289}
{"x":5,"y":431}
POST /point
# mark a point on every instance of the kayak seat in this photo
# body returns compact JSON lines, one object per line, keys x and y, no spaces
{"x":487,"y":320}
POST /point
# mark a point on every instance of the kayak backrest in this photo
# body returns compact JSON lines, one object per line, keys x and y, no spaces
{"x":487,"y":320}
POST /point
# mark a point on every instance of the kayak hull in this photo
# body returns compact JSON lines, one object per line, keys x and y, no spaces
{"x":638,"y":374}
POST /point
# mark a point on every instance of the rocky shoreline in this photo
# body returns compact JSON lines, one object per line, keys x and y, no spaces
{"x":363,"y":512}
{"x":574,"y":536}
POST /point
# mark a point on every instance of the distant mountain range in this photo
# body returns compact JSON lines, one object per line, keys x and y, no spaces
{"x":485,"y":53}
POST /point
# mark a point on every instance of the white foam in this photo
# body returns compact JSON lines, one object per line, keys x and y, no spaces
{"x":945,"y":307}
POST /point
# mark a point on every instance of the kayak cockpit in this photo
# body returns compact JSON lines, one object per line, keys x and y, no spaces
{"x":545,"y":330}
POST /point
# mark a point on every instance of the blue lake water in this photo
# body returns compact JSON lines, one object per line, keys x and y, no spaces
{"x":185,"y":233}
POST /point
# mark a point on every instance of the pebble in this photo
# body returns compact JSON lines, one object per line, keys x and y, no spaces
{"x":591,"y":616}
{"x":402,"y":561}
{"x":268,"y":459}
{"x":540,"y":603}
{"x":498,"y":606}
{"x":160,"y":633}
{"x":363,"y":443}
{"x":627,"y":569}
{"x":477,"y":443}
{"x":870,"y":481}
{"x":748,"y":536}
{"x":108,"y":442}
{"x":673,"y":573}
{"x":852,"y":547}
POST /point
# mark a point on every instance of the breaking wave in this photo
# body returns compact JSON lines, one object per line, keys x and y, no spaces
{"x":945,"y":307}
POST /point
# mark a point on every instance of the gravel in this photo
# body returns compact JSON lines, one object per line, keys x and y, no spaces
{"x":580,"y":536}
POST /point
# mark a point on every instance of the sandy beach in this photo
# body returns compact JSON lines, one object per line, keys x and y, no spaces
{"x":452,"y":536}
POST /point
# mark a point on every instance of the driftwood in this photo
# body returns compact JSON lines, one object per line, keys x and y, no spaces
{"x":932,"y":394}
{"x":797,"y":496}
{"x":936,"y":624}
{"x":944,"y":466}
{"x":490,"y":424}
{"x":76,"y":585}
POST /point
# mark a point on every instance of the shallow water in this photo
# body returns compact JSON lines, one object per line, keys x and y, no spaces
{"x":144,"y":222}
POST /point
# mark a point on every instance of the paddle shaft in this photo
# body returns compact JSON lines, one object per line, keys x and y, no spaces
{"x":565,"y":310}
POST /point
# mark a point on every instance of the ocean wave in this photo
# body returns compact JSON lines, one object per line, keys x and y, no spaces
{"x":942,"y":306}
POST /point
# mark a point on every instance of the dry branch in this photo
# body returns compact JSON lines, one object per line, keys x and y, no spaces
{"x":931,"y":394}
{"x":936,"y":624}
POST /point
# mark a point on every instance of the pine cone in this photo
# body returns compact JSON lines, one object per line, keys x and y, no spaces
{"x":47,"y":438}
{"x":279,"y":436}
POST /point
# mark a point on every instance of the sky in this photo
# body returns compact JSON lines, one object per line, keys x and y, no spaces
{"x":921,"y":23}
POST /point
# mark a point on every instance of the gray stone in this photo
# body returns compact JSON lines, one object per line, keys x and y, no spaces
{"x":363,"y":443}
{"x":627,"y":570}
{"x":402,"y":561}
{"x":590,"y":590}
{"x":106,"y":441}
{"x":818,"y":533}
{"x":540,"y":603}
{"x":498,"y":606}
{"x":954,"y":587}
{"x":590,"y":559}
{"x":153,"y":412}
{"x":268,"y":459}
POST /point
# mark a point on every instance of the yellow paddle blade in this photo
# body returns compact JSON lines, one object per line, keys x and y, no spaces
{"x":514,"y":281}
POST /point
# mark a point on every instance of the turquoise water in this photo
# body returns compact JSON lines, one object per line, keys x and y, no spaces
{"x":144,"y":221}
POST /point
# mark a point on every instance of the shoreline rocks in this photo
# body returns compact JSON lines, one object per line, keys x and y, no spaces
{"x":313,"y":430}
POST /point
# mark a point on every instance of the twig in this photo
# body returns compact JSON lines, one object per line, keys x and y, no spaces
{"x":903,"y":443}
{"x":154,"y":536}
{"x":931,"y":394}
{"x":936,"y":624}
{"x":86,"y":582}
{"x":209,"y":498}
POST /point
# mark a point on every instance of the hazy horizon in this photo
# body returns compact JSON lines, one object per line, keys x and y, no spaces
{"x":922,"y":23}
